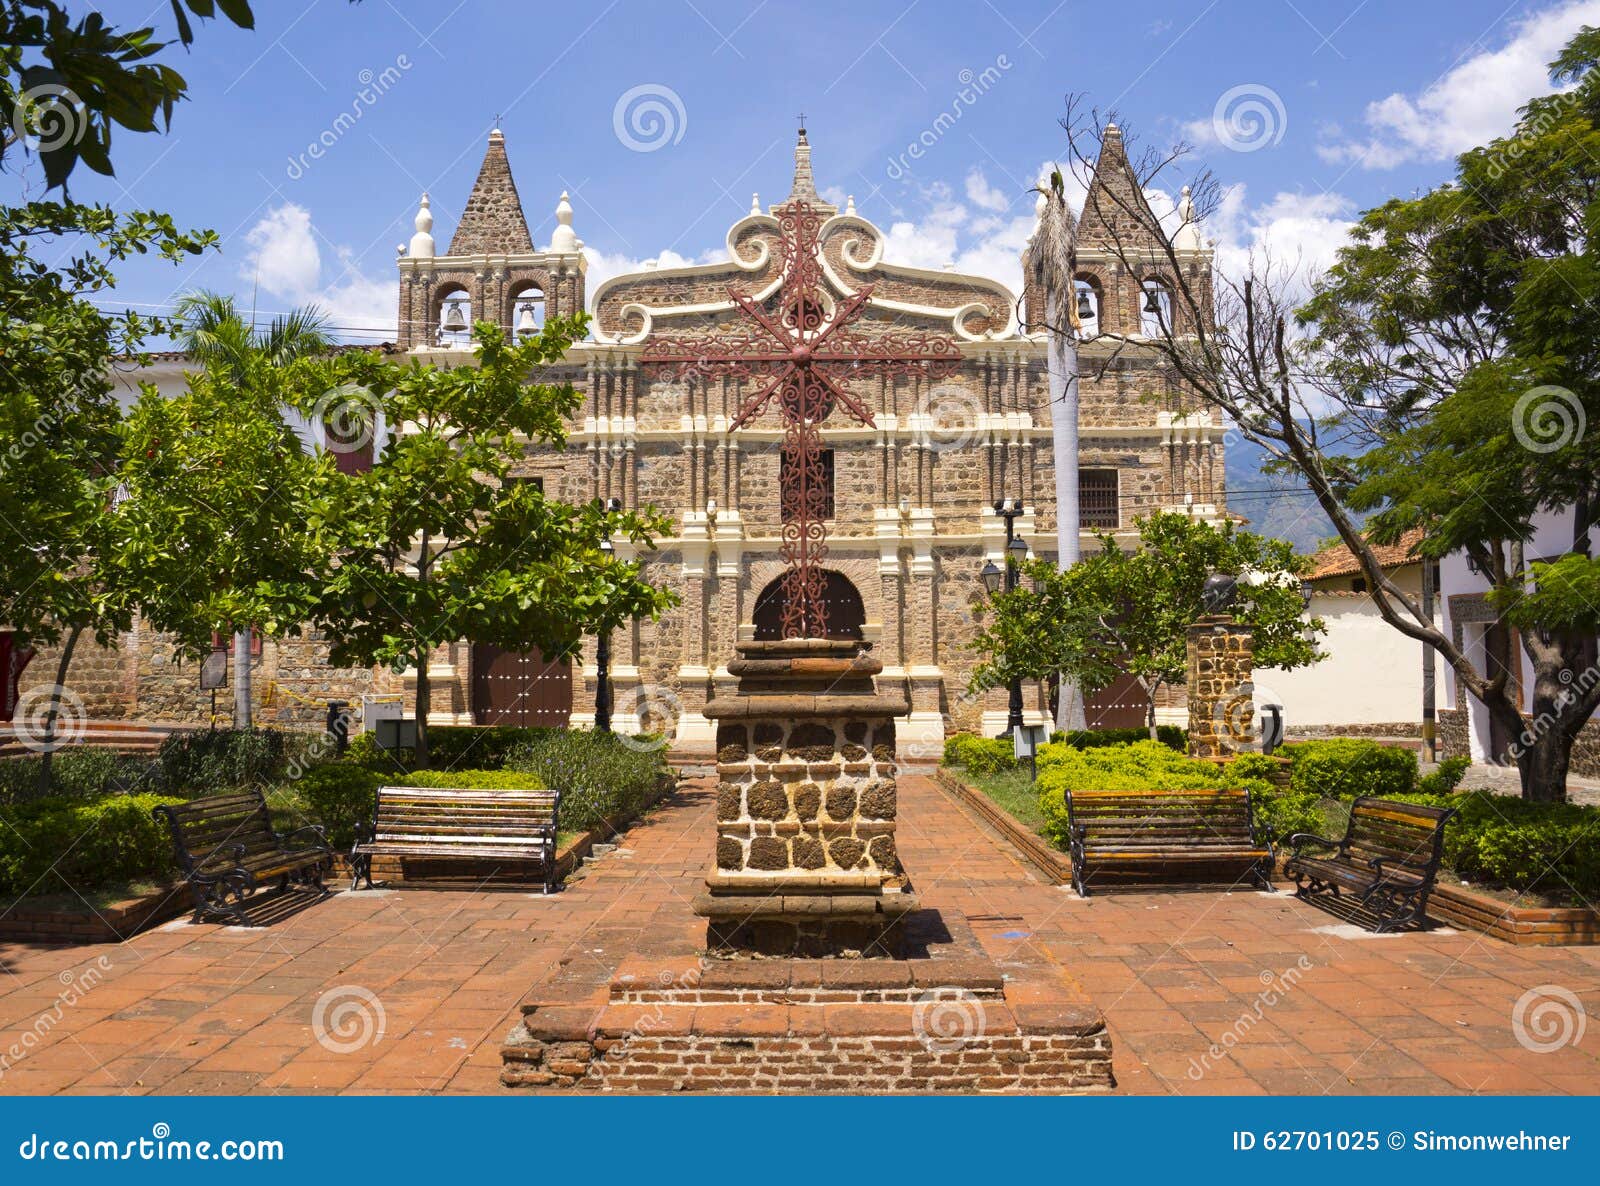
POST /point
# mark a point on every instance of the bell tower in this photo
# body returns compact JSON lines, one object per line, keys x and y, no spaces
{"x":491,"y":271}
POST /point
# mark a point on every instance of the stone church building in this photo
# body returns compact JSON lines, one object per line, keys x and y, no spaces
{"x":913,"y":494}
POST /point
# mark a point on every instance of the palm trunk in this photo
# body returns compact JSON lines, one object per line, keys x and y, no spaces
{"x":243,"y":711}
{"x":1061,"y":360}
{"x":54,"y":711}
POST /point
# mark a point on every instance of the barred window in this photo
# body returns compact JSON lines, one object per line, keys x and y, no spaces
{"x":789,"y":479}
{"x":1097,"y":498}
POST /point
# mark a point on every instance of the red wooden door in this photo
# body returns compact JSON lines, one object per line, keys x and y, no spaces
{"x":520,"y":688}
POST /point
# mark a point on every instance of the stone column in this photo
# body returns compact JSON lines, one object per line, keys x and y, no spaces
{"x":1221,"y":696}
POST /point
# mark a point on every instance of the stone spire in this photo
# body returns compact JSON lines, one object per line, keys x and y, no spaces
{"x":1114,"y":191}
{"x":804,"y":188}
{"x":492,"y":221}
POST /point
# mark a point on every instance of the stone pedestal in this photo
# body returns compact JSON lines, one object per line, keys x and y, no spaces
{"x":805,"y":859}
{"x":1221,"y":695}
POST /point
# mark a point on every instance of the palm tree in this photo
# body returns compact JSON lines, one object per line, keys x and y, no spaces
{"x":1052,"y":264}
{"x":211,"y":331}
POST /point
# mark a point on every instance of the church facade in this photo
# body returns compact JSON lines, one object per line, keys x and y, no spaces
{"x":911,"y":518}
{"x":911,"y":508}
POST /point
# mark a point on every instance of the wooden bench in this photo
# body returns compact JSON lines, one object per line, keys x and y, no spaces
{"x":1388,"y":858}
{"x":481,"y":825}
{"x":227,"y":849}
{"x":1140,"y":830}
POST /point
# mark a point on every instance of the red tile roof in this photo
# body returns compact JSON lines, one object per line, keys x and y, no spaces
{"x":1338,"y":560}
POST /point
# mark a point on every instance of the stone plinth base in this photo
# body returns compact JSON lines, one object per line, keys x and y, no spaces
{"x":946,"y":1022}
{"x":824,"y":917}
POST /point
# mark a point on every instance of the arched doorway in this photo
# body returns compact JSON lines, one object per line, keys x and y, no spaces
{"x":842,"y":602}
{"x":520,"y":688}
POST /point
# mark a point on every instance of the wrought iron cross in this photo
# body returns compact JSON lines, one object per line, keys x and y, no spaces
{"x":803,"y":356}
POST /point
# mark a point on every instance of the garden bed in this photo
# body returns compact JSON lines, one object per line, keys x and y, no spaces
{"x":1526,"y":925}
{"x":64,"y":919}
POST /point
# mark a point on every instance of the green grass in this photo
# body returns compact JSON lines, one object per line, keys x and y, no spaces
{"x":1012,"y":793}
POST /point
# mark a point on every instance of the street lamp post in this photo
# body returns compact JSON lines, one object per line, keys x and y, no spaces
{"x":602,"y":648}
{"x":1016,"y":553}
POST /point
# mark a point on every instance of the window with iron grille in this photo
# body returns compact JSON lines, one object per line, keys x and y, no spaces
{"x":1097,"y":498}
{"x":788,"y":478}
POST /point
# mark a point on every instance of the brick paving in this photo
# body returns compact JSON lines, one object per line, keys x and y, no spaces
{"x":210,"y":1009}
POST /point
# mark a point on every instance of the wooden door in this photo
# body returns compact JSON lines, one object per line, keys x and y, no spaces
{"x":520,"y":688}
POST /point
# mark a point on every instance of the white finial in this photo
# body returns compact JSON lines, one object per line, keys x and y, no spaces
{"x":422,"y":241}
{"x":564,"y":240}
{"x":755,"y":203}
{"x":850,"y":205}
{"x":1187,"y":236}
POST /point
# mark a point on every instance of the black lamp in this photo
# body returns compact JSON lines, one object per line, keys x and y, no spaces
{"x":992,"y":575}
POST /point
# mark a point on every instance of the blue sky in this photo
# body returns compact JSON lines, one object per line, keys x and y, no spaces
{"x":1361,"y":99}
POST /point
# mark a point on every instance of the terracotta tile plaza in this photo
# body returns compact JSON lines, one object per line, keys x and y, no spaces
{"x":414,"y":989}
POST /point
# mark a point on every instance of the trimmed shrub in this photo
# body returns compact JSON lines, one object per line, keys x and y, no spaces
{"x":1446,"y":778}
{"x":503,"y":780}
{"x":1502,"y":841}
{"x":54,"y":843}
{"x":1345,"y":767}
{"x":218,"y":758}
{"x":1168,"y":735}
{"x":337,"y":795}
{"x":468,"y":746}
{"x":980,"y":755}
{"x":1141,"y":766}
{"x":77,"y":772}
{"x":599,"y":775}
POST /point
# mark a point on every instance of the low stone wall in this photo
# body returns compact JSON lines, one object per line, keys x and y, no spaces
{"x":1386,"y":729}
{"x":1525,"y":926}
{"x":27,"y":922}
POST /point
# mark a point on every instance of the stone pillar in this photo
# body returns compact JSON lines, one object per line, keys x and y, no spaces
{"x":805,"y":859}
{"x":1221,"y":695}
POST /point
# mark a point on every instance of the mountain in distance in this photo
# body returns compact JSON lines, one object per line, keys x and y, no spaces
{"x":1277,"y":505}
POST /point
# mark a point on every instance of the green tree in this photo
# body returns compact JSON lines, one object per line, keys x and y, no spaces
{"x":1129,"y":611}
{"x":1458,"y":339}
{"x":222,"y":511}
{"x":66,"y":80}
{"x":437,"y":542}
{"x":239,"y":353}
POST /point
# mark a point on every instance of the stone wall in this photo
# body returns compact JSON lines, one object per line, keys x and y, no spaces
{"x":813,"y":797}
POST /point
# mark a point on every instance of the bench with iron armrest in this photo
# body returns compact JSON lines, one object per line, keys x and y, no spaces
{"x":227,"y":849}
{"x":1135,"y":830}
{"x":1388,"y":858}
{"x":482,"y":825}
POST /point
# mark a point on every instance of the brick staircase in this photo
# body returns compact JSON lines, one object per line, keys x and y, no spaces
{"x":125,"y":737}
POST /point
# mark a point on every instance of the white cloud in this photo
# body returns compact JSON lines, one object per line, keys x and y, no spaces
{"x":1299,"y":232}
{"x":285,"y":262}
{"x":1475,"y":101}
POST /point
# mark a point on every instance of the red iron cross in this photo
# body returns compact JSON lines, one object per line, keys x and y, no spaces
{"x":804,"y":358}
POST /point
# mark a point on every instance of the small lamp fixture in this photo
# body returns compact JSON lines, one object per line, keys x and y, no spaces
{"x":1018,"y":550}
{"x":606,"y":549}
{"x":992,"y":575}
{"x":526,"y":326}
{"x":455,"y":321}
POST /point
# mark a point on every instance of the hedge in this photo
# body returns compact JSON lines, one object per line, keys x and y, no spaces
{"x":1168,"y":735}
{"x":980,"y":755}
{"x":600,"y":775}
{"x":1345,"y":767}
{"x":77,"y":772}
{"x":83,"y":843}
{"x":473,"y":747}
{"x":1503,"y":841}
{"x":206,"y":762}
{"x":1145,"y":766}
